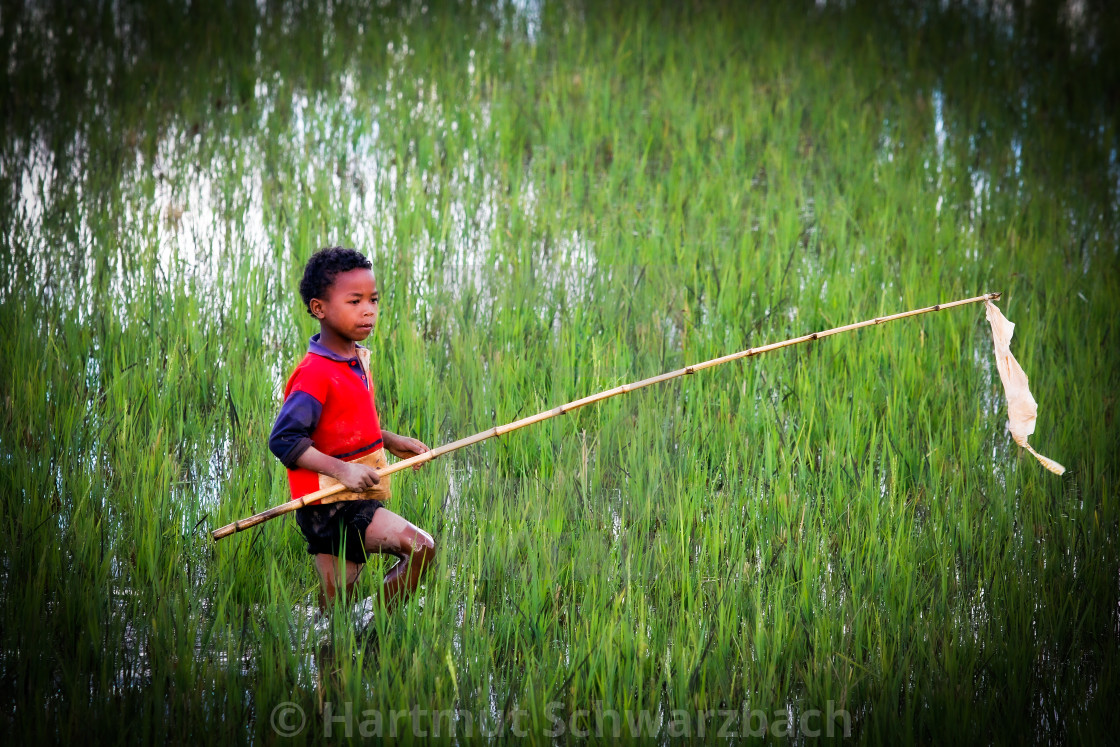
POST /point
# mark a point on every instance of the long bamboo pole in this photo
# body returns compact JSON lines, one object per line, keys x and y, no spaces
{"x":327,"y":495}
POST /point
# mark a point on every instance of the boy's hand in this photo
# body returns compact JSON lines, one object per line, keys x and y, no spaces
{"x":405,"y":447}
{"x":357,"y":477}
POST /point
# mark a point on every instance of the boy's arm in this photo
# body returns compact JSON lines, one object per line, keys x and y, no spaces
{"x":291,"y":433}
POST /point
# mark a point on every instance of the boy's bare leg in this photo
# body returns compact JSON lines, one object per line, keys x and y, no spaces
{"x":393,"y":534}
{"x":327,"y":565}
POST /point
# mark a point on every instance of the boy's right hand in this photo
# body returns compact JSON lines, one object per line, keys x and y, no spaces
{"x":357,"y":477}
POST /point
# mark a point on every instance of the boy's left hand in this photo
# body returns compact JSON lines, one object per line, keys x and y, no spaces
{"x":405,"y":447}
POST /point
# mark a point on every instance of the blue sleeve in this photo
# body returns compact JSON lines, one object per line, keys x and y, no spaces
{"x":291,"y":434}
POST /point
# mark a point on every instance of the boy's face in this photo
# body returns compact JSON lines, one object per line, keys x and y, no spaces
{"x":350,"y":308}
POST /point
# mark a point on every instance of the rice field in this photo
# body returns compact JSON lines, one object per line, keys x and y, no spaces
{"x":838,"y":538}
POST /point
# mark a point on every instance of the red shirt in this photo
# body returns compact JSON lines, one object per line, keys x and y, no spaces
{"x":328,"y":404}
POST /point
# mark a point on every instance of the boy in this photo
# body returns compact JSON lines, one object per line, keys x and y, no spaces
{"x":328,"y":431}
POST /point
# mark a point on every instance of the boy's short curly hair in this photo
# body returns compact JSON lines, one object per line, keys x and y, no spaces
{"x":324,"y":265}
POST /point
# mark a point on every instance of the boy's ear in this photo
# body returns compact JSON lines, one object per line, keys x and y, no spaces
{"x":316,"y":307}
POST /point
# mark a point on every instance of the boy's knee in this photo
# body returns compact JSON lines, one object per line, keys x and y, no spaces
{"x":423,"y":548}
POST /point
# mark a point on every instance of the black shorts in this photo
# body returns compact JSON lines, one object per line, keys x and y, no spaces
{"x":338,"y":528}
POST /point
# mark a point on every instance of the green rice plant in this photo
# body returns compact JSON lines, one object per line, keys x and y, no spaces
{"x":560,"y":198}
